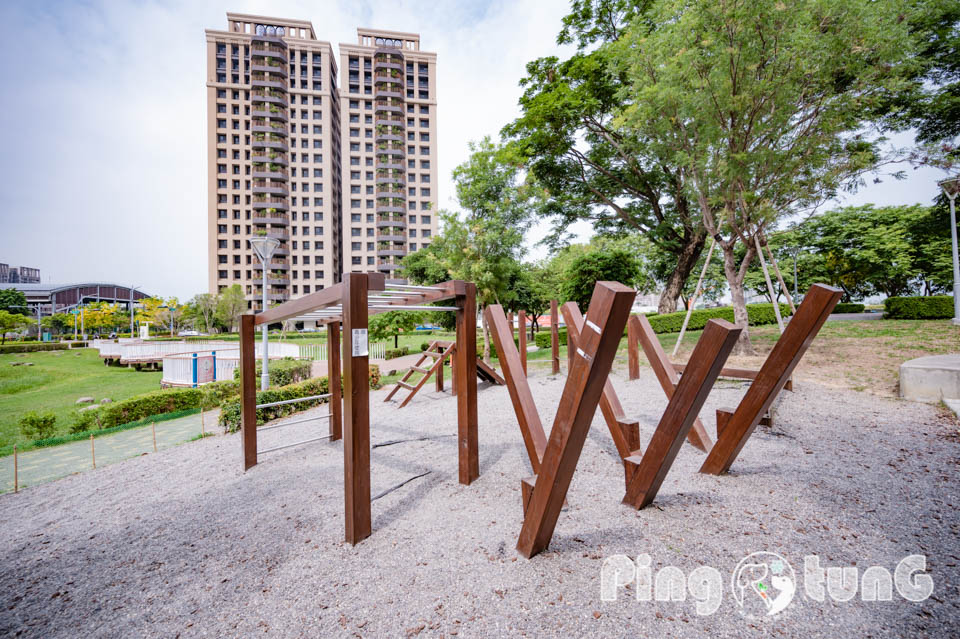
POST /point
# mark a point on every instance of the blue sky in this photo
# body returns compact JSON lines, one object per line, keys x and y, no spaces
{"x":104,"y":162}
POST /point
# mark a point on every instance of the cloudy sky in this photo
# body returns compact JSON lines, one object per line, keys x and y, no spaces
{"x":104,"y":162}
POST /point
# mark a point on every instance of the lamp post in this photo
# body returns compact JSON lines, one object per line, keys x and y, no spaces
{"x":264,"y":248}
{"x":951,"y":188}
{"x":131,"y":310}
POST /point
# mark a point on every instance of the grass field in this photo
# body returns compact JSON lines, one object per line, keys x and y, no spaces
{"x":55,"y":381}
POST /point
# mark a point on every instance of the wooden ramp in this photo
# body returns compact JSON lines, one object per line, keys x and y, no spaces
{"x":437,"y":352}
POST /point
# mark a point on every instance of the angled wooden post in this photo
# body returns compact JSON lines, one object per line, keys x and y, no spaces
{"x":737,"y":427}
{"x":333,"y":380}
{"x":711,"y":351}
{"x":609,"y":309}
{"x":356,"y":404}
{"x":633,"y":350}
{"x":554,"y":337}
{"x":625,"y":432}
{"x":522,"y":329}
{"x":465,"y":378}
{"x":248,"y":391}
{"x":667,"y":376}
{"x":531,"y":428}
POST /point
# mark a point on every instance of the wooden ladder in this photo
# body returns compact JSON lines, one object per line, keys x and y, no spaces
{"x":439,"y":351}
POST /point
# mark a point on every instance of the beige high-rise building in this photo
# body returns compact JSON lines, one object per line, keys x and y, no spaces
{"x":388,"y":106}
{"x":273,"y":116}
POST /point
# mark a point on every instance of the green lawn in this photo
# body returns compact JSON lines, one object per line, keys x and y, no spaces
{"x":55,"y":381}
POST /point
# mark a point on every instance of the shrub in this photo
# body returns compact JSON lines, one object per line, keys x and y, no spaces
{"x":392,"y":353}
{"x":848,"y":307}
{"x":34,"y":425}
{"x":929,"y":307}
{"x":282,"y":371}
{"x":32,"y":348}
{"x":374,"y":377}
{"x":230,"y":411}
{"x":758,"y":314}
{"x":424,"y":346}
{"x":130,"y":410}
{"x":542,"y":339}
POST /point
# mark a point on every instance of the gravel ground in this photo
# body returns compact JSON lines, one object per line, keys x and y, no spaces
{"x":182,"y":543}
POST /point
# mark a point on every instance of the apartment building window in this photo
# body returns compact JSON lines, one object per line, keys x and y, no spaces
{"x":413,"y":246}
{"x":317,"y":158}
{"x":369,"y":204}
{"x":306,"y":287}
{"x":370,"y":260}
{"x":355,"y":204}
{"x":355,"y":246}
{"x":221,"y":138}
{"x":221,"y":123}
{"x":413,"y":219}
{"x":425,"y":177}
{"x":424,"y":192}
{"x":424,"y":123}
{"x":424,"y":164}
{"x":318,"y":275}
{"x":355,"y":260}
{"x":424,"y":150}
{"x":222,"y":275}
{"x":412,"y":232}
{"x":221,"y":244}
{"x":426,"y":233}
{"x":355,"y":232}
{"x":318,"y":230}
{"x":412,"y":206}
{"x":424,"y":219}
{"x":221,"y":228}
{"x":354,"y":133}
{"x":424,"y":137}
{"x":221,"y":184}
{"x":424,"y":109}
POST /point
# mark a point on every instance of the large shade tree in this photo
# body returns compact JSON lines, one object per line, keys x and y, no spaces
{"x":763,"y":106}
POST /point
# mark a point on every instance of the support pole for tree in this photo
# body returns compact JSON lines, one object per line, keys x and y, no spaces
{"x":766,"y":276}
{"x":693,"y":300}
{"x":16,"y":476}
{"x":776,"y":269}
{"x":554,"y":337}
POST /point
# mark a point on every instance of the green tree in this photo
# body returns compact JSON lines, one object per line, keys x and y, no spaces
{"x":202,"y":309}
{"x":13,"y":300}
{"x":596,"y":166}
{"x":10,"y":322}
{"x":763,"y":105}
{"x":597,"y":265}
{"x":390,"y":324}
{"x":231,"y":305}
{"x":59,"y":323}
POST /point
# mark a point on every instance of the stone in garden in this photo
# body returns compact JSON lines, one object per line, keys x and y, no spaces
{"x":17,"y":363}
{"x":28,"y":363}
{"x":86,"y":408}
{"x":85,"y":400}
{"x":105,"y":400}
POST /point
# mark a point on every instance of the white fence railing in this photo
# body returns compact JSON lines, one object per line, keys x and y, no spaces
{"x":378,"y":350}
{"x":148,"y":351}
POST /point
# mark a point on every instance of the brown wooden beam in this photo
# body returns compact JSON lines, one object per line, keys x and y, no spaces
{"x":248,"y":391}
{"x":711,"y":351}
{"x":554,"y":337}
{"x":609,"y":309}
{"x":625,"y":433}
{"x":667,"y":376}
{"x":776,"y":370}
{"x":736,"y":373}
{"x":333,"y":381}
{"x":522,"y":326}
{"x":465,"y":378}
{"x":633,"y":350}
{"x":356,"y":400}
{"x":531,"y":428}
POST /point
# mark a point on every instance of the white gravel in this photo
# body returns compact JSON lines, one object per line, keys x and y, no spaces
{"x":182,"y":543}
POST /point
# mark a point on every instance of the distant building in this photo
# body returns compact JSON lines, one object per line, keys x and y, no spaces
{"x":62,"y":298}
{"x":19,"y":275}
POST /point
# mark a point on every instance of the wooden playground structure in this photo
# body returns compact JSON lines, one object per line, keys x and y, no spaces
{"x":592,"y":345}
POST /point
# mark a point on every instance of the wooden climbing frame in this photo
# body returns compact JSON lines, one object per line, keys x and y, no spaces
{"x":543,"y":496}
{"x":734,"y":427}
{"x":350,"y":303}
{"x":437,"y":352}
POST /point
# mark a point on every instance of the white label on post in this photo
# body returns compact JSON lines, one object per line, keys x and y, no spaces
{"x":360,"y":347}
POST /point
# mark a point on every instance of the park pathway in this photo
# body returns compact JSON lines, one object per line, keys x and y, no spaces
{"x":46,"y":464}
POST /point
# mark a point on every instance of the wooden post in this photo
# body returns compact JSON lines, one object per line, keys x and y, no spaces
{"x":439,"y":377}
{"x":248,"y":391}
{"x":153,"y":429}
{"x":465,"y":379}
{"x":609,"y":309}
{"x":333,"y":380}
{"x":625,"y":432}
{"x":522,"y":326}
{"x":356,"y":404}
{"x":633,"y":350}
{"x":16,"y":471}
{"x":667,"y":376}
{"x":93,"y":454}
{"x":773,"y":375}
{"x":711,"y":351}
{"x":531,"y":428}
{"x":555,"y":336}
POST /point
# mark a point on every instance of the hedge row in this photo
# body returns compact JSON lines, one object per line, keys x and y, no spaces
{"x":757,"y":314}
{"x":282,"y":371}
{"x":34,"y":347}
{"x":542,"y":339}
{"x":849,"y":307}
{"x":392,"y":353}
{"x":230,"y":411}
{"x":929,"y":307}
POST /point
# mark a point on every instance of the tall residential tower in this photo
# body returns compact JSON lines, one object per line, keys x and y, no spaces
{"x":273,"y":117}
{"x":388,"y":113}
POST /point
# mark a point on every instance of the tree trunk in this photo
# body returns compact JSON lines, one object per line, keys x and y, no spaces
{"x":735,"y":282}
{"x":396,"y":341}
{"x":687,"y":257}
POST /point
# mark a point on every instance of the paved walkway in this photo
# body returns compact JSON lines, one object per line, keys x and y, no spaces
{"x":46,"y":464}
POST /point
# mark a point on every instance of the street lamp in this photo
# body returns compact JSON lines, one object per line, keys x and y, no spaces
{"x":951,"y":188}
{"x":131,"y":310}
{"x":264,"y":248}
